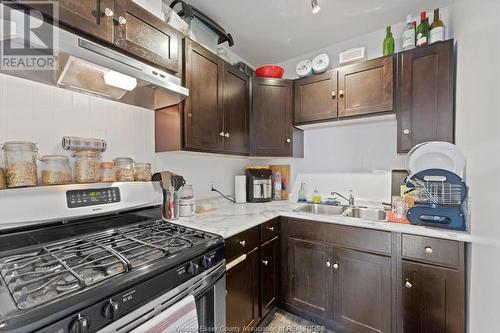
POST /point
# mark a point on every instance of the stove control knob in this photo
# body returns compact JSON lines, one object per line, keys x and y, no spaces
{"x":80,"y":325}
{"x":193,"y":268}
{"x":206,"y":262}
{"x":111,"y":310}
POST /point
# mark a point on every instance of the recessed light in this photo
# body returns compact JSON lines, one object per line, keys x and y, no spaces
{"x":315,"y":6}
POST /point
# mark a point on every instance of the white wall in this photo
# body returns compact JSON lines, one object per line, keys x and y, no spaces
{"x":204,"y":170}
{"x":477,"y":30}
{"x":43,"y":114}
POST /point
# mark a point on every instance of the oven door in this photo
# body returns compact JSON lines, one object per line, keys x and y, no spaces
{"x":208,"y":289}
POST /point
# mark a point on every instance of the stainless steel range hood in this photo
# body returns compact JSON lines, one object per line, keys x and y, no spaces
{"x":89,"y":67}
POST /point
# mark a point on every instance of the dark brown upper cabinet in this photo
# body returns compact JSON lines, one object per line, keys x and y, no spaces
{"x":272,"y":131}
{"x":316,"y":98}
{"x":216,"y":111}
{"x":144,"y":35}
{"x":94,"y":18}
{"x":362,"y":291}
{"x":236,"y":116}
{"x":366,"y":88}
{"x":203,"y":108}
{"x":432,"y":299}
{"x":426,"y":90}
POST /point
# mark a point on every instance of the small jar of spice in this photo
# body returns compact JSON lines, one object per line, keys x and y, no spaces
{"x":108,"y":172}
{"x":87,"y":166}
{"x":142,"y":172}
{"x":124,"y":167}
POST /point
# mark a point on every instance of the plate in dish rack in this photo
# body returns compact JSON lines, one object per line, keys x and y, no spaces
{"x":436,"y":155}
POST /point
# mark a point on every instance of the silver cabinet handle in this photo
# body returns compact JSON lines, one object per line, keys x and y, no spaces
{"x":341,"y":94}
{"x":265,"y":262}
{"x":334,"y":94}
{"x":227,"y":135}
{"x":408,"y":284}
{"x":335,"y":266}
{"x":406,"y":131}
{"x":236,"y":261}
{"x":221,"y":134}
{"x":270,"y":228}
{"x":122,"y":20}
{"x":428,"y":250}
{"x":328,"y":263}
{"x":288,"y":140}
{"x":108,"y":12}
{"x":243,"y":243}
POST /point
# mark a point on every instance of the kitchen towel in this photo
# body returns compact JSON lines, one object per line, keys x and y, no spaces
{"x":180,"y":317}
{"x":240,"y":189}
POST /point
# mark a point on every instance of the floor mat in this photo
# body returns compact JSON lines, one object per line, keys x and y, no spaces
{"x":282,"y":321}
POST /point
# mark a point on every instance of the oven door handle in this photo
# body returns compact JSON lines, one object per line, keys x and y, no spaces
{"x":236,"y":261}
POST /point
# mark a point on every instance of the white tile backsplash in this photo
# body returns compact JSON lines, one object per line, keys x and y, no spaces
{"x":43,"y":114}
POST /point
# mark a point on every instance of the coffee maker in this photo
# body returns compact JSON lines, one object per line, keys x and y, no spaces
{"x":259,"y":184}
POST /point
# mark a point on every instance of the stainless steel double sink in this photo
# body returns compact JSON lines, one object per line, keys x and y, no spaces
{"x":366,"y":213}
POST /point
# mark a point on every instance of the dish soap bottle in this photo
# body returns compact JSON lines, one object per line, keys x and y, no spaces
{"x":316,"y":197}
{"x":303,"y":193}
{"x":388,"y":42}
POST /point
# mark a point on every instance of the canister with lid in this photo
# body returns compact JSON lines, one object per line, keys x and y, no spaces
{"x":87,"y":166}
{"x":20,"y":162}
{"x":108,"y":172}
{"x":124,"y":169}
{"x":142,"y":172}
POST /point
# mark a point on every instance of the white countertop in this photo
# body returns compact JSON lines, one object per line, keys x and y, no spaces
{"x":230,"y":219}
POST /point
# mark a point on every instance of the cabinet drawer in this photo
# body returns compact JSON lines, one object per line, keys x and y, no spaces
{"x":433,"y":250}
{"x":270,"y":229}
{"x":242,"y":243}
{"x":352,"y":237}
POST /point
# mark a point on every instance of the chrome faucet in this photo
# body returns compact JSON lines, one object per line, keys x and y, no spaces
{"x":350,"y":199}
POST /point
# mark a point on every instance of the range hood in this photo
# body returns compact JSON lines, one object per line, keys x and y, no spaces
{"x":85,"y":66}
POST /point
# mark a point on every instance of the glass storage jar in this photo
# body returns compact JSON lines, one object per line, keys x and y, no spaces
{"x":124,"y":167}
{"x":87,"y":166}
{"x":142,"y":172}
{"x":20,"y":163}
{"x":2,"y":174}
{"x":55,"y":170}
{"x":108,"y":172}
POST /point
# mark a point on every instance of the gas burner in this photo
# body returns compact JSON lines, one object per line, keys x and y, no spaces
{"x":75,"y":264}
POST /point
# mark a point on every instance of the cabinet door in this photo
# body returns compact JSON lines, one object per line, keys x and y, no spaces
{"x":203,"y":120}
{"x":146,"y":36}
{"x":362,"y":291}
{"x":309,"y":269}
{"x":94,"y":18}
{"x":433,"y":299}
{"x":366,"y":88}
{"x":316,"y":98}
{"x":271,"y":117}
{"x":270,"y":265}
{"x":236,"y":90}
{"x":426,"y":95}
{"x":243,"y":288}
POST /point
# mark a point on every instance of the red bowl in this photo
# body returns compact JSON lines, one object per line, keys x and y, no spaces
{"x":273,"y":71}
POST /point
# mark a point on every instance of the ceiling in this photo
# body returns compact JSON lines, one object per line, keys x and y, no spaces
{"x":272,"y":31}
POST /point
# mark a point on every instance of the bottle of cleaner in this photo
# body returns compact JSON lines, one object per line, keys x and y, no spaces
{"x":303,"y":193}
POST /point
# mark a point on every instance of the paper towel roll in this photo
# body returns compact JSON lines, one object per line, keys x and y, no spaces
{"x":240,"y":189}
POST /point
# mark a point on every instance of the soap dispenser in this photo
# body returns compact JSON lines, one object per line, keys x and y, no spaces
{"x":316,"y":197}
{"x":303,"y":193}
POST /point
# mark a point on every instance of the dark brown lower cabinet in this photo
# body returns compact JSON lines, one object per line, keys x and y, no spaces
{"x":308,"y":276}
{"x":269,"y":275}
{"x":243,"y":292}
{"x":362,"y":291}
{"x":433,"y":299}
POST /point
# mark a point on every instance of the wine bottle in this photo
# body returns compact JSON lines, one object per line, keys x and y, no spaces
{"x":388,"y":42}
{"x":409,"y":34}
{"x":423,"y":30}
{"x":437,"y":29}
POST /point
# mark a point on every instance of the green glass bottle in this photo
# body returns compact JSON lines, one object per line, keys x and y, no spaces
{"x":388,"y":42}
{"x":423,"y":30}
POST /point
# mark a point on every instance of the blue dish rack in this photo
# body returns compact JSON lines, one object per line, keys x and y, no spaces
{"x":440,"y":199}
